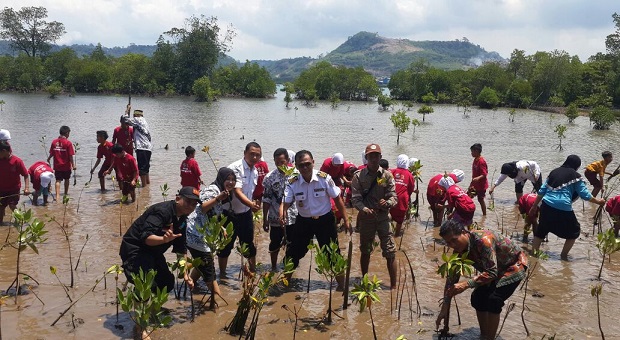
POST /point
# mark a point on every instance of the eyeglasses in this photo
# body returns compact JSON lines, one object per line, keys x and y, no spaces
{"x":304,"y":165}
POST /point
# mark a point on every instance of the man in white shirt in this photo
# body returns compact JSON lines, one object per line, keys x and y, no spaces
{"x":312,"y":192}
{"x":243,"y":206}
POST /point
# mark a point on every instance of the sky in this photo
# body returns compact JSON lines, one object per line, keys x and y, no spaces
{"x":277,"y":29}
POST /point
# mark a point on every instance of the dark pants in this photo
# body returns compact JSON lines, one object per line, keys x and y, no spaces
{"x":243,"y":227}
{"x":489,"y":298}
{"x":147,"y":261}
{"x":537,"y":185}
{"x":301,"y":233}
{"x":207,"y":267}
{"x":278,"y":235}
{"x":143,"y":157}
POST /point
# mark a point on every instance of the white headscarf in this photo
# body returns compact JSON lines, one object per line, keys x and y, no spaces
{"x":459,"y":174}
{"x":364,"y":161}
{"x":412,"y":161}
{"x":291,"y":156}
{"x":337,"y":159}
{"x":402,"y":161}
{"x":446,"y":182}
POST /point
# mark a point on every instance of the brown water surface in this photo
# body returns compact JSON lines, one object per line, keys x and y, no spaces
{"x":442,"y":143}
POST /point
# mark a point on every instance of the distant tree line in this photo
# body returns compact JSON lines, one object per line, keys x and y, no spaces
{"x":324,"y":81}
{"x":182,"y":57}
{"x":542,"y":79}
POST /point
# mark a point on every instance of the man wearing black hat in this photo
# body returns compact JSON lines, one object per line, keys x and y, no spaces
{"x":162,"y":225}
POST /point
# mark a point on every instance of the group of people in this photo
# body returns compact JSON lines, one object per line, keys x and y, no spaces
{"x":300,"y":202}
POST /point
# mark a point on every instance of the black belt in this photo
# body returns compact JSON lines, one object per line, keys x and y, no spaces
{"x":314,"y":217}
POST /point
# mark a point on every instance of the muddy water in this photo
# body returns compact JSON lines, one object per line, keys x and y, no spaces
{"x":442,"y":143}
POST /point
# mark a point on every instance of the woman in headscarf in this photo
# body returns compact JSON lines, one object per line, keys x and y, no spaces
{"x":521,"y":172}
{"x":404,"y":186}
{"x":557,"y":194}
{"x":216,"y":199}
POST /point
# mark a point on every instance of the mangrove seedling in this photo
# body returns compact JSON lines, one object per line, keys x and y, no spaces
{"x":63,"y":227}
{"x":511,"y":115}
{"x":92,"y":289}
{"x":366,"y":293}
{"x":30,"y":233}
{"x":2,"y":102}
{"x":596,"y":291}
{"x":414,"y":123}
{"x":295,"y":312}
{"x":77,"y":263}
{"x":559,"y":130}
{"x":540,"y":255}
{"x":453,"y":267}
{"x":401,"y":123}
{"x":416,"y":171}
{"x":571,"y":112}
{"x":424,"y":110}
{"x":217,"y":233}
{"x":76,"y":147}
{"x":143,"y":304}
{"x":255,"y":288}
{"x":385,"y":102}
{"x":331,"y":264}
{"x":265,"y":282}
{"x":44,"y":145}
{"x":334,"y":99}
{"x":205,"y":149}
{"x":607,"y":244}
{"x":64,"y":287}
{"x":164,"y":191}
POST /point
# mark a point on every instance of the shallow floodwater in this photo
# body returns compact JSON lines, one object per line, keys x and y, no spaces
{"x":442,"y":143}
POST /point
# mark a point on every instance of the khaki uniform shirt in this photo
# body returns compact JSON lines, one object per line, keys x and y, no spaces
{"x":383,"y":189}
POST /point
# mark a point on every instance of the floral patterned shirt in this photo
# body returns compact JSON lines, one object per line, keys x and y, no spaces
{"x":197,"y":218}
{"x":496,"y":258}
{"x":274,"y":184}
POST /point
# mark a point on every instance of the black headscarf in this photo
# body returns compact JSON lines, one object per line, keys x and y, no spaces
{"x":565,"y":174}
{"x":222,"y":175}
{"x":510,"y":169}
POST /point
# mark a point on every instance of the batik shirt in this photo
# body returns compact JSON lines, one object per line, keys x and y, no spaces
{"x":496,"y":258}
{"x":274,"y":184}
{"x":198,"y":219}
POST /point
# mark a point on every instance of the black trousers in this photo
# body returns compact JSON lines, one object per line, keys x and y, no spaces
{"x":301,"y":233}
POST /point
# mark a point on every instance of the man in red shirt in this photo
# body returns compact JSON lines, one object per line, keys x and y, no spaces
{"x":190,"y":171}
{"x":62,"y":151}
{"x":11,"y":167}
{"x":123,"y":135}
{"x":480,"y":171}
{"x":126,"y":170}
{"x":436,"y":195}
{"x":41,"y":176}
{"x":404,"y":186}
{"x":104,"y":150}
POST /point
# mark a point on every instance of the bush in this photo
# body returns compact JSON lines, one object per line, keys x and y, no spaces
{"x":202,"y":90}
{"x":488,"y":98}
{"x":602,"y":117}
{"x":572,"y":112}
{"x":54,"y":89}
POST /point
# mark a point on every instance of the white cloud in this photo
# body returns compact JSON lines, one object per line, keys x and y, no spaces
{"x":273,"y":29}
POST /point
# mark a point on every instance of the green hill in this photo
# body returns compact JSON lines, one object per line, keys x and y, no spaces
{"x":383,"y":56}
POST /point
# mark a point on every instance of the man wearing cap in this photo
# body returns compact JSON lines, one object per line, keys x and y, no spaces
{"x":11,"y":167}
{"x":41,"y":175}
{"x":436,"y":194}
{"x":373,"y":195}
{"x":162,"y":225}
{"x":243,"y":206}
{"x":142,"y":139}
{"x":311,"y":191}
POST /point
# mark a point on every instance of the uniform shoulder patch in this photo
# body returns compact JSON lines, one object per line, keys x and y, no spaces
{"x":292,"y":179}
{"x":322,"y":174}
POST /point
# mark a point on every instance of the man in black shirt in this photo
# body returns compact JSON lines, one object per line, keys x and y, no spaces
{"x":162,"y":225}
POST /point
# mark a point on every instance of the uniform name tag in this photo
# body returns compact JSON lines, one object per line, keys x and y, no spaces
{"x":319,"y":189}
